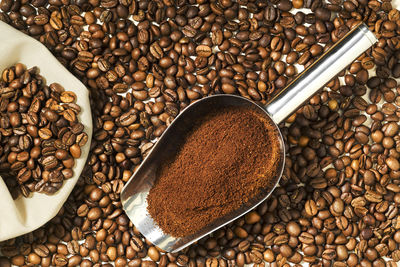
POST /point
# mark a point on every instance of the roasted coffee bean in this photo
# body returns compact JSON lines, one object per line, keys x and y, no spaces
{"x":68,"y":97}
{"x":203,"y":51}
{"x":41,"y":250}
{"x":30,"y":130}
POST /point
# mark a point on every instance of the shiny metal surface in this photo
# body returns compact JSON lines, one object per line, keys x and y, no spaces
{"x":135,"y":192}
{"x":342,"y":54}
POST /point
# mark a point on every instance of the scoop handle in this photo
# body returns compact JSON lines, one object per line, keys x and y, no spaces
{"x":318,"y":74}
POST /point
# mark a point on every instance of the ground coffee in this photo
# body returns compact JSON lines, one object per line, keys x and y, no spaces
{"x":229,"y":156}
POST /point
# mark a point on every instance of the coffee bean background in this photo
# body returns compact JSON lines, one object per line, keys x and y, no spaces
{"x":144,"y":61}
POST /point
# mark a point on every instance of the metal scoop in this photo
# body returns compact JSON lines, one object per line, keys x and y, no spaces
{"x":134,"y":194}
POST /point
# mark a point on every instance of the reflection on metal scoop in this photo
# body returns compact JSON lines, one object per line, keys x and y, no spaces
{"x":135,"y":192}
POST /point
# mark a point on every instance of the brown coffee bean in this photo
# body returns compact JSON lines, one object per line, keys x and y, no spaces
{"x":306,"y":238}
{"x":293,"y":229}
{"x":391,"y":129}
{"x":393,"y":163}
{"x":33,"y":258}
{"x":203,"y":51}
{"x":60,"y":260}
{"x":56,"y":23}
{"x":41,"y":250}
{"x":18,"y":260}
{"x":68,"y":97}
{"x":252,"y":217}
{"x":310,"y":208}
{"x":94,"y":214}
{"x":8,"y":75}
{"x":284,"y":5}
{"x":136,"y":244}
{"x":153,"y":254}
{"x":45,"y":133}
{"x":69,"y":115}
{"x":75,"y":151}
{"x":373,"y":196}
{"x":50,"y":115}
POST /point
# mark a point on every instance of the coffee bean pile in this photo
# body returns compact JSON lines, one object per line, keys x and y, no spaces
{"x":144,"y":61}
{"x":40,"y":134}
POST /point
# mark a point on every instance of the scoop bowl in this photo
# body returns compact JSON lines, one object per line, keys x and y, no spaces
{"x":133,"y":198}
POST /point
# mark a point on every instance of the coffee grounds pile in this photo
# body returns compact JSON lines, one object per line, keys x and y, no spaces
{"x":229,"y":156}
